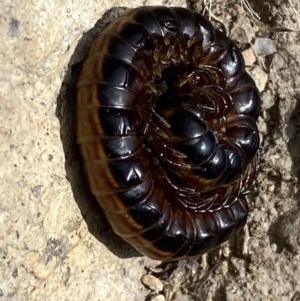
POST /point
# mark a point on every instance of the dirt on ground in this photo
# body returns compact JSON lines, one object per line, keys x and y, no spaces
{"x":261,"y":262}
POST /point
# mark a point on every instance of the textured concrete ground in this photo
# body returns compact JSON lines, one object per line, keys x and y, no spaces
{"x":55,"y":243}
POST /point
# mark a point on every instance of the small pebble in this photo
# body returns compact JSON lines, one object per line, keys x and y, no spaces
{"x":249,"y":57}
{"x":159,"y":298}
{"x":264,"y":46}
{"x":152,"y":282}
{"x":240,"y":265}
{"x":260,"y":77}
{"x":273,"y":247}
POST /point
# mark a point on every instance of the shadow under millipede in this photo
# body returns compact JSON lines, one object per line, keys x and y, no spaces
{"x":65,"y":112}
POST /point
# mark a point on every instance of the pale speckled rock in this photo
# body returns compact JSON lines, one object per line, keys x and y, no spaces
{"x":47,"y":250}
{"x":54,"y":241}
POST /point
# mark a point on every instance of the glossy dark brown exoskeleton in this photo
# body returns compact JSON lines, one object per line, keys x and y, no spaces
{"x":166,"y":125}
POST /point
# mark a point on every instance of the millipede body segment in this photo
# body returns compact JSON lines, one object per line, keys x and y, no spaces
{"x":166,"y":125}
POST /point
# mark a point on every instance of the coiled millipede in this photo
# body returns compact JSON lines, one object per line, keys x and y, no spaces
{"x":166,"y":125}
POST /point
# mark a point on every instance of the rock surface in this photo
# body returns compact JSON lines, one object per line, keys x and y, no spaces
{"x":54,"y":241}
